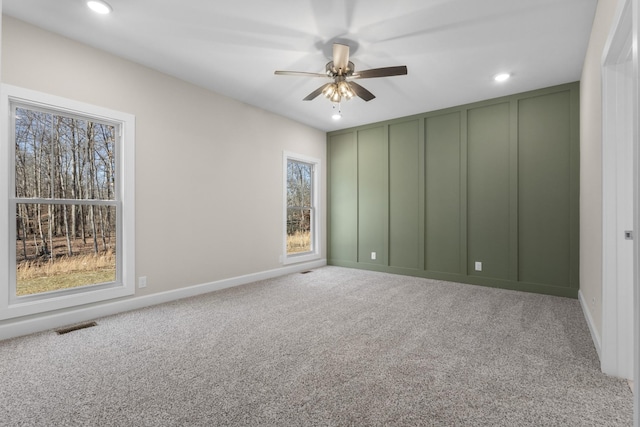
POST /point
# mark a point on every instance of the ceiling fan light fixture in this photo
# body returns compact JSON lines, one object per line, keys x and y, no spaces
{"x":345,"y":90}
{"x":99,"y":6}
{"x":341,"y":69}
{"x":330,"y":90}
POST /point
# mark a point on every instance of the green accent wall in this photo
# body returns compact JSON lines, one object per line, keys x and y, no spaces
{"x":494,"y":182}
{"x":443,"y":195}
{"x":488,"y":190}
{"x":544,"y":196}
{"x":373,"y":195}
{"x":404,"y":194}
{"x":343,"y":211}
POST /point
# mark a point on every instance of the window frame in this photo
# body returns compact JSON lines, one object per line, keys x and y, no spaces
{"x":11,"y":305}
{"x":315,"y":251}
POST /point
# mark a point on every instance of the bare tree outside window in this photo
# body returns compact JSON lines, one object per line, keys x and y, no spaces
{"x":65,"y":180}
{"x":299,"y":207}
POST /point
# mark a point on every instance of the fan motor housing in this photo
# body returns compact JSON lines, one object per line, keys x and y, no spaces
{"x":333,"y":72}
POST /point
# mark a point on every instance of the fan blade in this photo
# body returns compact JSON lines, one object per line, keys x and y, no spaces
{"x":361,"y":92}
{"x":316,"y":92}
{"x":340,"y":57}
{"x":299,"y":73}
{"x":381,"y":72}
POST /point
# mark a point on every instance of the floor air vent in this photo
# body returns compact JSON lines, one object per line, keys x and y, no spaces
{"x":77,"y":327}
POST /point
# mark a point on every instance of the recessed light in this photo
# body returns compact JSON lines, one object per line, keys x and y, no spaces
{"x":502,"y":77}
{"x":337,"y":112}
{"x":99,"y":6}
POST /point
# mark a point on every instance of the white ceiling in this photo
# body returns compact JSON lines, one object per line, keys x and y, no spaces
{"x":452,"y":48}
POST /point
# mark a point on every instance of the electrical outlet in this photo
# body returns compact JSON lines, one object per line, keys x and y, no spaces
{"x":478,"y":266}
{"x":142,"y":282}
{"x":373,"y":255}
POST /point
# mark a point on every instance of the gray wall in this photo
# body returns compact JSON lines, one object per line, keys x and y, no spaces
{"x":209,"y":176}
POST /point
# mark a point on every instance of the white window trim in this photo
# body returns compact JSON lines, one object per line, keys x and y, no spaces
{"x":125,"y":287}
{"x":315,"y":252}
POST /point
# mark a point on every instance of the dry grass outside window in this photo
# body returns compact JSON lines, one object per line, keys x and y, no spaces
{"x":299,"y":242}
{"x":36,"y":276}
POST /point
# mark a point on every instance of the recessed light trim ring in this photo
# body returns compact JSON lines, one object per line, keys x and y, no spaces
{"x":99,"y":6}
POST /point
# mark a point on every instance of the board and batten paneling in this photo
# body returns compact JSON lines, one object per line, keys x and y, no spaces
{"x":343,"y":210}
{"x":373,"y":195}
{"x":544,"y":189}
{"x":442,"y":235}
{"x":488,"y":190}
{"x":494,"y":182}
{"x":404,"y":194}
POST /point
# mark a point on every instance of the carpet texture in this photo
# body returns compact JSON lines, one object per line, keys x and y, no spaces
{"x":335,"y":347}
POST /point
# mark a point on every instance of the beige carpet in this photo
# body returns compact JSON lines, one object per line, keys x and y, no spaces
{"x":334,"y":347}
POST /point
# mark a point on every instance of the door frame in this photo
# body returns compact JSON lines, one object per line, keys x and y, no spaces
{"x":625,"y":29}
{"x":618,"y":187}
{"x":635,"y":99}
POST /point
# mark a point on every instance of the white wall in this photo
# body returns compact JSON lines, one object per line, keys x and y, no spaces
{"x":209,"y":199}
{"x":591,"y":166}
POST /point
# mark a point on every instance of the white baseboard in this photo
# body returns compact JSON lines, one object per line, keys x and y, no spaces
{"x":592,"y":327}
{"x":14,"y":328}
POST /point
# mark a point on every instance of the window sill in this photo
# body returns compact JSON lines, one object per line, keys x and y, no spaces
{"x":295,"y":259}
{"x":37,"y":306}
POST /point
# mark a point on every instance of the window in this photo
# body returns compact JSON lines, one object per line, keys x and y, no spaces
{"x":301,"y":212}
{"x":70,"y":186}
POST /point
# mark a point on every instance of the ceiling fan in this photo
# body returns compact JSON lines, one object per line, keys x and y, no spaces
{"x":342,"y":72}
